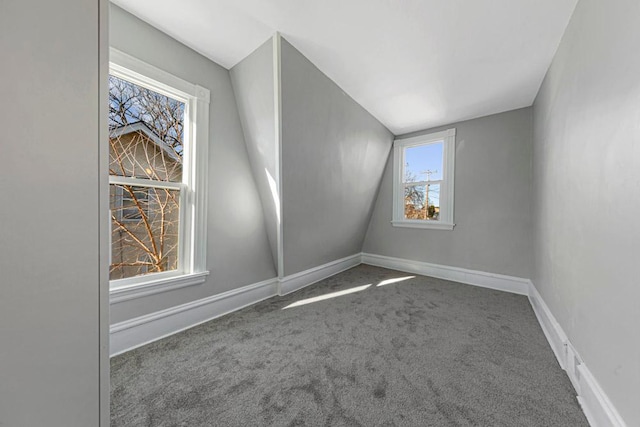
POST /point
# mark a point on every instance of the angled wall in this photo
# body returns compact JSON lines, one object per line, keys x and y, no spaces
{"x":49,"y":215}
{"x":254,"y":88}
{"x":491,"y":207}
{"x":333,"y":156}
{"x":586,"y":169}
{"x":238,"y":251}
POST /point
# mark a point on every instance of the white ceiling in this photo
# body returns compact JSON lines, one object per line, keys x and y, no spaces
{"x":413,"y":64}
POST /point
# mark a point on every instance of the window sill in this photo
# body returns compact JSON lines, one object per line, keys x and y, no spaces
{"x":151,"y":287}
{"x":433,"y":225}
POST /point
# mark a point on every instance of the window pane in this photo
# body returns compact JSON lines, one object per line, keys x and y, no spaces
{"x":433,"y":202}
{"x":144,"y":230}
{"x":423,"y":162}
{"x":132,"y":203}
{"x":414,"y":202}
{"x":146,"y":131}
{"x":422,"y":202}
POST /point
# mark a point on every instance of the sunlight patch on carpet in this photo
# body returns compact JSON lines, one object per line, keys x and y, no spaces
{"x":327,"y":296}
{"x":396,"y":280}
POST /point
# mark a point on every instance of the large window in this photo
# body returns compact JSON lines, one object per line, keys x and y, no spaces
{"x":157,"y":175}
{"x":423,"y":181}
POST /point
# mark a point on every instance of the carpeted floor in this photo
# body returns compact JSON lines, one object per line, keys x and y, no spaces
{"x":415,"y":352}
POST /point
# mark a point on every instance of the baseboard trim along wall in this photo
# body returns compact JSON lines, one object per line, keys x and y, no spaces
{"x":595,"y":404}
{"x":298,"y":281}
{"x":133,"y":333}
{"x":500,"y":282}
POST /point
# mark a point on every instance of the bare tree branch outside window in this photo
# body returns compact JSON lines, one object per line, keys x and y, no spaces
{"x":419,"y":199}
{"x":146,"y":141}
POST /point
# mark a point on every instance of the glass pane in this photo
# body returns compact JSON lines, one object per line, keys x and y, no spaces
{"x":433,"y":202}
{"x":146,"y":131}
{"x":414,"y":202}
{"x":423,"y":162}
{"x":144,"y":230}
{"x":422,"y":202}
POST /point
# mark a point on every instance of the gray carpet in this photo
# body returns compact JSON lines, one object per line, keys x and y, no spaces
{"x":418,"y":352}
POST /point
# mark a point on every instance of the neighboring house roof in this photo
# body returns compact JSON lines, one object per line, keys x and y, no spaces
{"x":149,"y":133}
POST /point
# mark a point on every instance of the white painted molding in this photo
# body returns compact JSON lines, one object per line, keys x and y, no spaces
{"x":433,"y":225}
{"x":133,"y":333}
{"x":551,"y":328}
{"x":139,"y":290}
{"x":305,"y":278}
{"x":277,"y":108}
{"x":595,"y":404}
{"x":133,"y":69}
{"x":500,"y":282}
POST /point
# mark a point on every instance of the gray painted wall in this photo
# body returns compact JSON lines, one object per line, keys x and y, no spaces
{"x":253,"y":85}
{"x":238,"y":250}
{"x":492,"y":208}
{"x":333,"y":155}
{"x":587,"y":194}
{"x":49,"y":260}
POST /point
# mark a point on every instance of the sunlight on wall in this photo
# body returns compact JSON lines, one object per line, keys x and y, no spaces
{"x":327,"y":296}
{"x":274,"y":193}
{"x":390,"y":281}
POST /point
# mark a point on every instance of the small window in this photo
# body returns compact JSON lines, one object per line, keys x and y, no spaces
{"x":157,"y":173}
{"x":423,"y":181}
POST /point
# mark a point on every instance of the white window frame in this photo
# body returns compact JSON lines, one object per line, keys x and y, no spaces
{"x":193,"y":188}
{"x":445,"y":218}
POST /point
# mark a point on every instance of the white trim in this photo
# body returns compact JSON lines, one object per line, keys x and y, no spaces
{"x":552,"y":330}
{"x":427,"y":138}
{"x":139,"y":72}
{"x":308,"y":277}
{"x":435,"y":225}
{"x":277,"y":99}
{"x":155,"y":286}
{"x":595,"y":404}
{"x":500,"y":282}
{"x":199,"y":180}
{"x":143,"y":182}
{"x":447,"y":184}
{"x":145,"y":329}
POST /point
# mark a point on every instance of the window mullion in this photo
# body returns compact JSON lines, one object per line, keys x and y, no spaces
{"x":142,"y":182}
{"x":418,"y":183}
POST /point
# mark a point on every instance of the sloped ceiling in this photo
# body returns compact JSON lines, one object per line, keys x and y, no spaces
{"x":413,"y":64}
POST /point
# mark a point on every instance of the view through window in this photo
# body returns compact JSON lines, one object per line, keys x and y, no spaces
{"x":422,"y":178}
{"x":146,"y":145}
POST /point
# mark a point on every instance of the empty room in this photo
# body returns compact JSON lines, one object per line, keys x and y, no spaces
{"x":320,"y":213}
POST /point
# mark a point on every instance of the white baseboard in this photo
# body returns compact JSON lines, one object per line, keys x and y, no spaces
{"x":595,"y":404}
{"x":551,"y":328}
{"x":133,"y":333}
{"x":305,"y":278}
{"x":516,"y":285}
